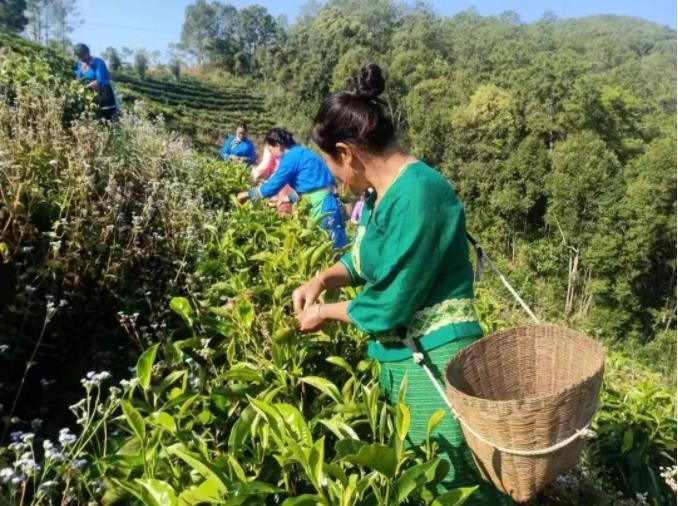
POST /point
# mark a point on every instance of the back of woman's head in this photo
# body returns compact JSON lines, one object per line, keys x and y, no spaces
{"x":80,"y":50}
{"x":280,"y":136}
{"x":355,"y":117}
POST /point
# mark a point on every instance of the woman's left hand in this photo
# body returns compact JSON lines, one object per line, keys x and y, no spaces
{"x":311,"y":319}
{"x":243,"y":197}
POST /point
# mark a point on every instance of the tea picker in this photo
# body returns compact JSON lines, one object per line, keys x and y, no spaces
{"x":94,"y":70}
{"x":410,"y":255}
{"x":523,"y":432}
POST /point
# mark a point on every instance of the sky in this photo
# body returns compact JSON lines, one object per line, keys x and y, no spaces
{"x":154,"y":24}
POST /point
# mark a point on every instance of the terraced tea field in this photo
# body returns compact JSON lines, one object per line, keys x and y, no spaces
{"x":205,"y":112}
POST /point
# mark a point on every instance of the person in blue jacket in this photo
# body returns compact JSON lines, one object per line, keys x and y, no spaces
{"x":238,"y":147}
{"x":308,"y":174}
{"x":95,"y":72}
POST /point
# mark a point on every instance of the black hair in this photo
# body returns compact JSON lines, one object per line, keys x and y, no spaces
{"x":244,"y":126}
{"x":280,"y":136}
{"x":81,"y":50}
{"x":355,"y":117}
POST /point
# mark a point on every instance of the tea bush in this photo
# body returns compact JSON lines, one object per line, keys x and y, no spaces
{"x":206,"y":112}
{"x":100,"y":220}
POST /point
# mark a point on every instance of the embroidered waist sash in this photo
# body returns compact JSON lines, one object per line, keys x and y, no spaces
{"x":430,"y":319}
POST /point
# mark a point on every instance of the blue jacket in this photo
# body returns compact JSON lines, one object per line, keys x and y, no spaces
{"x":244,"y":149}
{"x":95,"y":70}
{"x":300,"y":168}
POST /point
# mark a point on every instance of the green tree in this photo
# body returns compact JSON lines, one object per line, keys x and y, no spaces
{"x":175,"y":65}
{"x":584,"y":183}
{"x":256,"y":29}
{"x":141,"y":62}
{"x":65,"y":18}
{"x":633,"y":252}
{"x":52,"y":21}
{"x":112,"y":56}
{"x":12,"y":16}
{"x":200,"y":29}
{"x":38,"y":27}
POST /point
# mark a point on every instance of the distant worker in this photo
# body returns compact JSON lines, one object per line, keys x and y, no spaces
{"x":238,"y":147}
{"x":94,"y":70}
{"x":308,"y":175}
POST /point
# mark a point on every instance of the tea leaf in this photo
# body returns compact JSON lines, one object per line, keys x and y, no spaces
{"x":205,"y":469}
{"x":303,"y":500}
{"x":162,"y":419}
{"x":434,"y":421}
{"x":182,"y":307}
{"x":118,"y":488}
{"x":316,"y":459}
{"x":296,"y":422}
{"x":241,"y":429}
{"x":206,"y":492}
{"x":340,"y":429}
{"x":242,"y":373}
{"x":324,"y":385}
{"x":455,"y":497}
{"x":135,"y":421}
{"x":157,"y":493}
{"x":376,"y":456}
{"x":414,"y":477}
{"x":145,"y":366}
{"x":627,"y":441}
{"x":341,"y":362}
{"x":402,"y":420}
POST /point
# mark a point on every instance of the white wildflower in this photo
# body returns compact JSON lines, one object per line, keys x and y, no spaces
{"x":65,"y":437}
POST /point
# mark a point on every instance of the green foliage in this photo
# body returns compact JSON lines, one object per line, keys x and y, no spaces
{"x":219,"y":34}
{"x":205,"y":112}
{"x":175,"y":68}
{"x":141,"y":62}
{"x":112,"y":56}
{"x":545,"y":129}
{"x":12,"y":16}
{"x":636,"y":431}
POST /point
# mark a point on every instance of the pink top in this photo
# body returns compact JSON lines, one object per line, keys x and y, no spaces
{"x":265,"y":168}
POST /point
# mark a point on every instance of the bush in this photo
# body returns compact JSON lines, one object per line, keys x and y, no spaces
{"x":636,"y":432}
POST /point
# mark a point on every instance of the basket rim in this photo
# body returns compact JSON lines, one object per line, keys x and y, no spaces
{"x":507,"y":402}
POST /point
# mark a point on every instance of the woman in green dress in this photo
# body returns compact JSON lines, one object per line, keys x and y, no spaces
{"x":410,"y":255}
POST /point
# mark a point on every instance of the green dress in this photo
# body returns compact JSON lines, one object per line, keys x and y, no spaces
{"x":410,"y":253}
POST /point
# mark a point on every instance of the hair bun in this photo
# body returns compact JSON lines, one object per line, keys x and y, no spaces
{"x":370,"y":83}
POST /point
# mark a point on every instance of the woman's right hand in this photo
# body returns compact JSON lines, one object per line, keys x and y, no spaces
{"x":306,"y":295}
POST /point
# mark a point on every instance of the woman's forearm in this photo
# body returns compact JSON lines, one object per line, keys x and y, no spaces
{"x":335,"y":311}
{"x":335,"y":277}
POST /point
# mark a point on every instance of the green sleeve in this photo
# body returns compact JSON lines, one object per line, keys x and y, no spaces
{"x":417,"y":240}
{"x":347,"y":261}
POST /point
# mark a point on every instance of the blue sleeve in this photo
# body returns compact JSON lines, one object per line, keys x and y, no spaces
{"x":283,"y":175}
{"x":78,"y":73}
{"x":225,"y":150}
{"x":102,"y":75}
{"x":251,"y":154}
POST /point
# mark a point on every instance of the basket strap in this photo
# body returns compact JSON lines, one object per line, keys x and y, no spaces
{"x":585,"y":431}
{"x":483,"y":257}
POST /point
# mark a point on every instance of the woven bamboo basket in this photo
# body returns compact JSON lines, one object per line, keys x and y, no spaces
{"x":525,"y":398}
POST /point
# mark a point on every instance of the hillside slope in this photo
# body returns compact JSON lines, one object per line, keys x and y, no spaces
{"x":205,"y":112}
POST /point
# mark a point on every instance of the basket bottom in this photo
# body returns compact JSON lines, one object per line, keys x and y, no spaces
{"x":523,"y":477}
